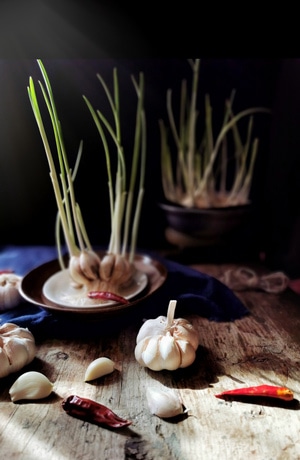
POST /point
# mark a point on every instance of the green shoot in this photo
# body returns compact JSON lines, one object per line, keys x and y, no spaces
{"x":62,"y":180}
{"x":121,"y":199}
{"x":197,"y":176}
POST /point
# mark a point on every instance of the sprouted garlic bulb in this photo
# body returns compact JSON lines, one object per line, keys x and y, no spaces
{"x":164,"y":403}
{"x":98,"y":368}
{"x":110,"y":273}
{"x":31,"y":385}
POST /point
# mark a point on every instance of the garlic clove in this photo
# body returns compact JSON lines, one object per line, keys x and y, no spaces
{"x":31,"y":385}
{"x":164,"y":403}
{"x":183,"y":330}
{"x":107,"y":266}
{"x":187,"y":352}
{"x":147,"y":353}
{"x":89,"y":263}
{"x":169,"y":353}
{"x":152,"y":327}
{"x":98,"y":368}
{"x":76,"y":272}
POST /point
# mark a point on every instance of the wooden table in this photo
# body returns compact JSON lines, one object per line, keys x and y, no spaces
{"x":263,"y":347}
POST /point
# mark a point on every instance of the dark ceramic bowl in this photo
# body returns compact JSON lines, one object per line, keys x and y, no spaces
{"x":194,"y":226}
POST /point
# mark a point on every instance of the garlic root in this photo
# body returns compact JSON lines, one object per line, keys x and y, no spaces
{"x":31,"y":385}
{"x":98,"y":368}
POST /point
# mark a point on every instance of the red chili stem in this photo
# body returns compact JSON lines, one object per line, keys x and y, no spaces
{"x":270,"y":391}
{"x":92,"y":411}
{"x":107,"y":296}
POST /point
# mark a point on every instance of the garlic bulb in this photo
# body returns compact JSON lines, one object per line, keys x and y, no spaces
{"x":166,"y":343}
{"x":10,"y":295}
{"x":31,"y":385}
{"x":164,"y":403}
{"x":17,"y":348}
{"x":98,"y":368}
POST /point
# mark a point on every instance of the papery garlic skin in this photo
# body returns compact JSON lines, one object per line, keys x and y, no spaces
{"x":31,"y":385}
{"x":10,"y":295}
{"x":166,"y":343}
{"x":98,"y":368}
{"x":180,"y":329}
{"x":17,"y":348}
{"x":164,"y":403}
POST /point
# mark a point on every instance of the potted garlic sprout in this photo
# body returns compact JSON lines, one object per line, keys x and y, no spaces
{"x":206,"y":178}
{"x":89,"y":276}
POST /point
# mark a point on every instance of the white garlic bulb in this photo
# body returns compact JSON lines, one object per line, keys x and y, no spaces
{"x":163,"y":402}
{"x":98,"y":368}
{"x":10,"y":295}
{"x":166,"y":343}
{"x":17,"y":348}
{"x":31,"y":385}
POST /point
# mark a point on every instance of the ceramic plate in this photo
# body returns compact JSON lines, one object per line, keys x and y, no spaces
{"x":58,"y":290}
{"x":151,"y":275}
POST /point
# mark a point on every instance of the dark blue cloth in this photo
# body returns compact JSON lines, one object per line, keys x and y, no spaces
{"x":195,"y":292}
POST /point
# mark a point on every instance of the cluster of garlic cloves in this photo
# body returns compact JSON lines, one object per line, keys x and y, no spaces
{"x":17,"y":348}
{"x":111,"y":273}
{"x":166,"y":343}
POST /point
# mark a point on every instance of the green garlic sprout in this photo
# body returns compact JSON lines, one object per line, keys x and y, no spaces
{"x":116,"y":268}
{"x":197,"y":175}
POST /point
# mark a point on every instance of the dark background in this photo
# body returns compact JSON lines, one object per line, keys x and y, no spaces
{"x":75,"y":43}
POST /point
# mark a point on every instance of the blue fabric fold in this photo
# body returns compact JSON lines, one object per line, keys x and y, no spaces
{"x":195,"y":292}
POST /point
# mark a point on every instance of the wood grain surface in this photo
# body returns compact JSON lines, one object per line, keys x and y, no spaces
{"x":262,"y":348}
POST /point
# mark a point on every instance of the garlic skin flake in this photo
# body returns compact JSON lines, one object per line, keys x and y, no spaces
{"x":10,"y":295}
{"x":17,"y":348}
{"x":98,"y":368}
{"x":164,"y":403}
{"x":166,"y":343}
{"x":31,"y":385}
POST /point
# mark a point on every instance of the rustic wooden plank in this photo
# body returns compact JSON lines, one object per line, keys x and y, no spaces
{"x":263,"y":347}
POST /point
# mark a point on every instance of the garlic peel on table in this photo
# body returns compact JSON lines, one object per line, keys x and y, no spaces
{"x":17,"y":348}
{"x":166,"y":343}
{"x":31,"y":385}
{"x":164,"y":403}
{"x":10,"y":295}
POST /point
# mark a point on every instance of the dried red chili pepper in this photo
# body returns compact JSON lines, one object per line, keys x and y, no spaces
{"x":270,"y":391}
{"x":6,"y":271}
{"x":92,"y":411}
{"x":107,"y":296}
